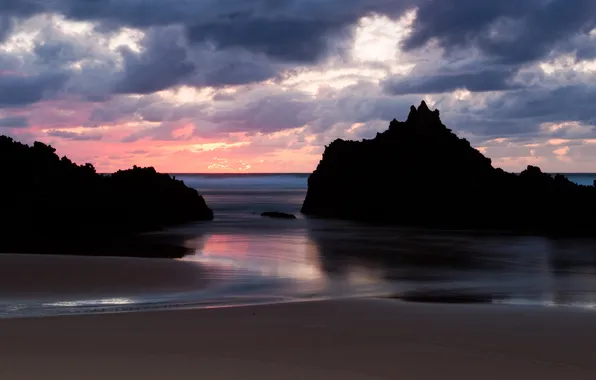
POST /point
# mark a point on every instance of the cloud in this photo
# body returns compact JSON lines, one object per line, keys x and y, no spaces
{"x":288,"y":30}
{"x":301,"y":32}
{"x":266,"y":114}
{"x":14,"y":122}
{"x":53,"y":52}
{"x":221,"y":97}
{"x":162,"y":132}
{"x":74,"y":136}
{"x":289,"y":76}
{"x":6,"y":25}
{"x":162,"y":64}
{"x":17,"y":90}
{"x":509,"y":31}
{"x":480,"y":81}
{"x":231,"y":67}
{"x":284,"y":39}
{"x":565,"y":103}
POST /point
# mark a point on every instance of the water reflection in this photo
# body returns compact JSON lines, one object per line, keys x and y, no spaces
{"x":255,"y":260}
{"x":102,"y":302}
{"x":509,"y":268}
{"x":340,"y":258}
{"x":336,"y":259}
{"x":289,"y":260}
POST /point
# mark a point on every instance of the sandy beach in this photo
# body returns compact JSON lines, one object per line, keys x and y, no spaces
{"x":39,"y":277}
{"x":347,"y":339}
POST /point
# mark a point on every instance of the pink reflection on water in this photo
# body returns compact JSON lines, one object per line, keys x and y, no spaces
{"x":281,"y":256}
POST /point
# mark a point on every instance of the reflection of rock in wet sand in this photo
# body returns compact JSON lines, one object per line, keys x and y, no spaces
{"x":447,"y":297}
{"x":573,"y":255}
{"x":148,"y":246}
{"x":463,"y":268}
{"x":392,"y":247}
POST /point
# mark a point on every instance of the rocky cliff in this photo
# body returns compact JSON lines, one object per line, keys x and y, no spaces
{"x":419,"y":173}
{"x":43,"y":196}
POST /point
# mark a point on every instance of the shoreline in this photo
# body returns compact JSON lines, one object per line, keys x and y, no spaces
{"x":47,"y":277}
{"x":40,"y":286}
{"x":336,"y":339}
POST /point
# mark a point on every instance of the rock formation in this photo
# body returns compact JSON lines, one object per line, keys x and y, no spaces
{"x":278,"y":215}
{"x":419,"y":173}
{"x":46,"y":197}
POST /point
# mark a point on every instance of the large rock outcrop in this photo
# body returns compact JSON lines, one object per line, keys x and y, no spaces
{"x":44,"y":197}
{"x":419,"y":173}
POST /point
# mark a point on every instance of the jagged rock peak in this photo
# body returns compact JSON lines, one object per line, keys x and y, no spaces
{"x":423,"y":107}
{"x":423,"y":113}
{"x":412,"y":114}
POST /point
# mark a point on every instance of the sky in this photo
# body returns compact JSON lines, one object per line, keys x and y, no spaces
{"x":263,"y":85}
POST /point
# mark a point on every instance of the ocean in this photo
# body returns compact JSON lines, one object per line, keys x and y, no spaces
{"x":248,"y":259}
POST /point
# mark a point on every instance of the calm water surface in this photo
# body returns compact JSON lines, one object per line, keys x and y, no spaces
{"x":250,"y":259}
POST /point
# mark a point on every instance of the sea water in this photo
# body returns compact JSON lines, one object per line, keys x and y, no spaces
{"x":251,"y":259}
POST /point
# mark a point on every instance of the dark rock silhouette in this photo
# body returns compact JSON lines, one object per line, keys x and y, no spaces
{"x":419,"y":173}
{"x":278,"y":215}
{"x":44,"y":198}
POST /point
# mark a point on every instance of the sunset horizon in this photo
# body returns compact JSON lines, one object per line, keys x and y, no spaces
{"x":188,"y":90}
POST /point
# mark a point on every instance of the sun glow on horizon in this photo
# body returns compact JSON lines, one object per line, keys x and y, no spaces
{"x":210,"y":146}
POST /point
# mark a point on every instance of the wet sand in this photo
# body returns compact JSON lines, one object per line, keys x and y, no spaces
{"x":342,"y":339}
{"x":24,"y":276}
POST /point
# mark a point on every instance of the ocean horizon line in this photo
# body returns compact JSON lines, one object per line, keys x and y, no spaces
{"x":233,"y":174}
{"x":291,"y":173}
{"x":308,"y":173}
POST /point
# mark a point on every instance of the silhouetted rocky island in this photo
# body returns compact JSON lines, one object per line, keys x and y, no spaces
{"x":49,"y":201}
{"x":419,"y":173}
{"x":278,"y":215}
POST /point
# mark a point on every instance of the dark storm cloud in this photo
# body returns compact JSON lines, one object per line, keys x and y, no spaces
{"x":167,"y":61}
{"x":24,"y":8}
{"x":480,"y":81}
{"x":508,"y":35}
{"x":6,"y":25}
{"x":55,"y":52}
{"x":75,"y":136}
{"x":17,"y":90}
{"x":286,"y":40}
{"x":300,"y":30}
{"x":267,"y":114}
{"x":287,"y":30}
{"x":510,"y":31}
{"x":162,"y":65}
{"x":566,"y":103}
{"x":482,"y":126}
{"x":232,"y":67}
{"x":519,"y":115}
{"x":230,"y":43}
{"x":14,"y":122}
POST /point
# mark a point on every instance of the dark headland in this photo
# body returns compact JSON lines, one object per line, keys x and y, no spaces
{"x":50,"y":204}
{"x":419,"y":173}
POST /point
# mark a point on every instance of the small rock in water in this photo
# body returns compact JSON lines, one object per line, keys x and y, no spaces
{"x":278,"y":215}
